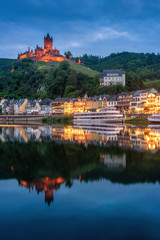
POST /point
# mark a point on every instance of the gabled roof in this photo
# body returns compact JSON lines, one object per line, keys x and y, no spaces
{"x":149,"y":90}
{"x":109,"y":71}
{"x":33,"y":103}
{"x":112,"y":98}
{"x":126,"y":93}
{"x":46,"y":102}
{"x":6,"y":103}
{"x":21,"y":101}
{"x":61,"y":100}
{"x":95,"y":98}
{"x":138,"y":92}
{"x":112,"y":71}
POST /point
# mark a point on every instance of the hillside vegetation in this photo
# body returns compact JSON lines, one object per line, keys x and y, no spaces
{"x":50,"y":80}
{"x":147,"y":66}
{"x":46,"y":80}
{"x":77,"y":67}
{"x":5,"y":65}
{"x":143,"y":70}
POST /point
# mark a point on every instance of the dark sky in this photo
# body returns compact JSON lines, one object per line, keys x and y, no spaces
{"x":96,"y":27}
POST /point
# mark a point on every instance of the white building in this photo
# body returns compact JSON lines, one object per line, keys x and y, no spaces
{"x":112,"y":77}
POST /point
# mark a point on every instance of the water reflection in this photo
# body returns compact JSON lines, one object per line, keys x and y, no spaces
{"x":102,"y":182}
{"x":113,"y":162}
{"x":44,"y":158}
{"x":46,"y":185}
{"x":140,"y":139}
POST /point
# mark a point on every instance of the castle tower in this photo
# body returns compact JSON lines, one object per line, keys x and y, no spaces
{"x":48,"y":42}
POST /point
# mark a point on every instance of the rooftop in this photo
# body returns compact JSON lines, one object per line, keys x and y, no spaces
{"x":109,"y":71}
{"x":120,"y":72}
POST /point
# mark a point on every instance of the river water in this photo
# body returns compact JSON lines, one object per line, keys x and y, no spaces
{"x":76,"y":183}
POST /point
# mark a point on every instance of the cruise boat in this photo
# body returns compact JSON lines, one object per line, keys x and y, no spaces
{"x":155,"y":118}
{"x":98,"y":118}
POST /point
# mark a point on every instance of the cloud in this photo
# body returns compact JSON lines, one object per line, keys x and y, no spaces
{"x":89,"y":35}
{"x":12,"y":50}
{"x":87,"y":26}
{"x":75,"y":44}
{"x":14,"y":46}
{"x":109,"y":33}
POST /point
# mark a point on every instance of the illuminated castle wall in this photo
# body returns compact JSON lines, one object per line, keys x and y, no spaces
{"x":46,"y":54}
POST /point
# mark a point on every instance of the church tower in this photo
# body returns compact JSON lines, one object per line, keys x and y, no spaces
{"x":48,"y":42}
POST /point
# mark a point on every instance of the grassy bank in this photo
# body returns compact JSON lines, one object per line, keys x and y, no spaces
{"x":137,"y":121}
{"x":66,"y":119}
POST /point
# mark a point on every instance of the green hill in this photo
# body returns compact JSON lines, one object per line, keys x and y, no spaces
{"x":145,"y":64}
{"x":142,"y":66}
{"x":77,"y":67}
{"x":6,"y":64}
{"x":45,"y":80}
{"x":49,"y":80}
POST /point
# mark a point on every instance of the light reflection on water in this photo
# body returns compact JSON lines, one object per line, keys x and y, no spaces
{"x":99,"y":184}
{"x":141,"y":139}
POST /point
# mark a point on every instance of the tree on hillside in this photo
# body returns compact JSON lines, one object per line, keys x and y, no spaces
{"x":70,"y":91}
{"x":68,"y":54}
{"x":72,"y":78}
{"x":65,"y":66}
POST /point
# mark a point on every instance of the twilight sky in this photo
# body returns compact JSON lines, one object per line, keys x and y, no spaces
{"x":97,"y":27}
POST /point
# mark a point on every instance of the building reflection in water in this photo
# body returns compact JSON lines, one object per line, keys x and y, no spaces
{"x":49,"y":185}
{"x":113,"y":162}
{"x":140,"y":139}
{"x":46,"y":185}
{"x":146,"y":139}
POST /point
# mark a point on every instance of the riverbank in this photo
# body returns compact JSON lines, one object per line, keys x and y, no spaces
{"x":137,"y":121}
{"x":20,"y":119}
{"x":65,"y":119}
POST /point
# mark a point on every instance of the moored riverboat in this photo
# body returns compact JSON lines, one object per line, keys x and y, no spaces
{"x":101,"y":117}
{"x":155,"y":118}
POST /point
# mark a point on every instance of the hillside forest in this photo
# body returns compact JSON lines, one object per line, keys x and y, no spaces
{"x":29,"y":79}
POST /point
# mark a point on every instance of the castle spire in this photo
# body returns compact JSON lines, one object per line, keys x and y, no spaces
{"x":48,"y":42}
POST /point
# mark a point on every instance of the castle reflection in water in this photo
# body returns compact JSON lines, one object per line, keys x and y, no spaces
{"x":146,"y":139}
{"x":48,"y":185}
{"x":140,"y":139}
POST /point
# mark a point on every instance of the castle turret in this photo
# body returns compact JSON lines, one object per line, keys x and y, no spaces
{"x":48,"y":42}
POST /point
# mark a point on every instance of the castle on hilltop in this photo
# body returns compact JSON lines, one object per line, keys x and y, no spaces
{"x":46,"y":54}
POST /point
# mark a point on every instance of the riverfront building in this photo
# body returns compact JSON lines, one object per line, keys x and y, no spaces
{"x":124,"y":101}
{"x":112,"y":77}
{"x":142,"y":101}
